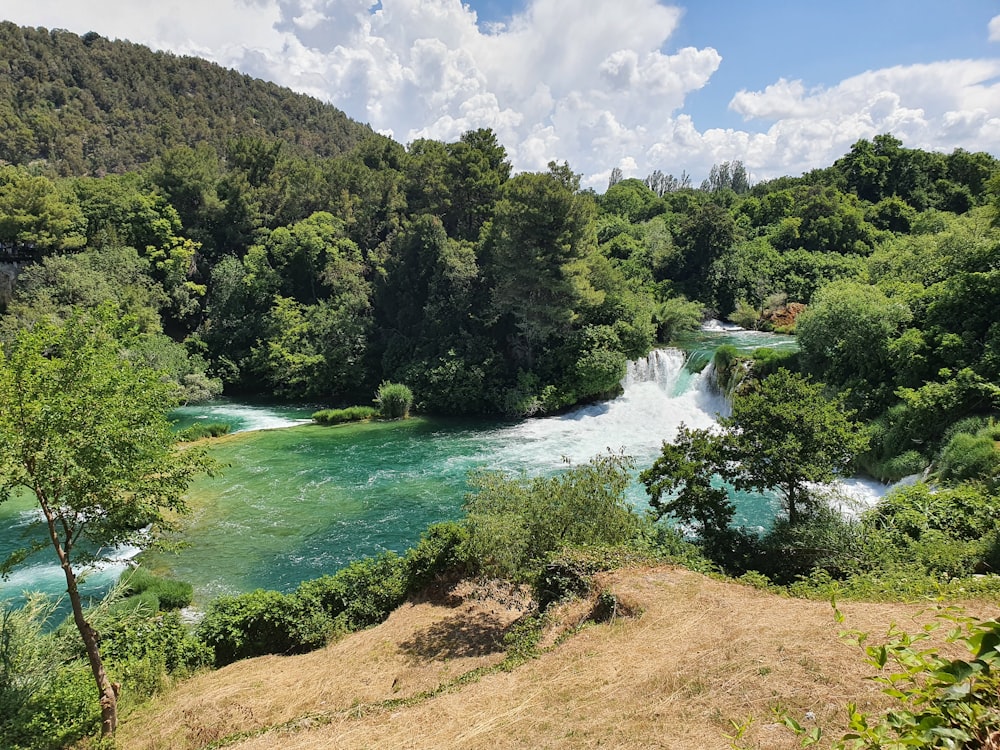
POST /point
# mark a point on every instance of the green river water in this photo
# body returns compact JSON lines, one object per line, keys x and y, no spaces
{"x":294,"y":501}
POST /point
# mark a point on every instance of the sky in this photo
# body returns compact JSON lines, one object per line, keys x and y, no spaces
{"x":784,"y":86}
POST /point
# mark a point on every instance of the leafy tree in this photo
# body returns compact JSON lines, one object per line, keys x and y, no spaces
{"x":783,"y":434}
{"x":787,"y":434}
{"x":845,"y":337}
{"x":38,"y":214}
{"x":680,"y":483}
{"x":533,"y":248}
{"x":85,"y":432}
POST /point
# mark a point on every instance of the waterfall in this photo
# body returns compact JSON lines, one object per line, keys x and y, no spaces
{"x":659,"y":393}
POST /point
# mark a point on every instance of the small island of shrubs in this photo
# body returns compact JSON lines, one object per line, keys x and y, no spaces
{"x":393,"y":400}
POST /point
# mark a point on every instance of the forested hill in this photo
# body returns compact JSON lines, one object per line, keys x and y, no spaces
{"x":91,"y":106}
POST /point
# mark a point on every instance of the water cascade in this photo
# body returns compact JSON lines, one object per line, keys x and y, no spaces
{"x":293,"y":504}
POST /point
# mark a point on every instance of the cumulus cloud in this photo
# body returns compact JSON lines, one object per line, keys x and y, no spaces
{"x":937,"y":106}
{"x":599,"y":89}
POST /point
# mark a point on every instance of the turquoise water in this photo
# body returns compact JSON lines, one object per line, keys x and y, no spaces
{"x":294,"y":503}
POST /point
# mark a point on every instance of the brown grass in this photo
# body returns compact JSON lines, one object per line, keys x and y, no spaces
{"x":693,"y":654}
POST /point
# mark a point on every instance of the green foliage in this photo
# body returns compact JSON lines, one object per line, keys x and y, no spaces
{"x":263,"y":622}
{"x":61,"y":713}
{"x":966,"y":457}
{"x":845,"y":338}
{"x":201,"y":430}
{"x":682,"y":482}
{"x":783,"y":435}
{"x":171,"y":594}
{"x":440,"y":553}
{"x":349,"y":414}
{"x":902,"y":465}
{"x":675,"y":316}
{"x":394,"y":400}
{"x":514,"y":523}
{"x":93,"y":105}
{"x":358,"y":596}
{"x":28,"y":657}
{"x":942,"y":702}
{"x":89,"y":438}
{"x":362,"y":594}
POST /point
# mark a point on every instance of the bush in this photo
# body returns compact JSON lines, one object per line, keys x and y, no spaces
{"x":394,"y":400}
{"x":360,"y":595}
{"x":968,"y":457}
{"x":515,"y":523}
{"x":170,"y":594}
{"x":202,"y":430}
{"x":263,"y":622}
{"x":28,"y":660}
{"x":342,"y":416}
{"x":440,"y":552}
{"x":62,"y":713}
{"x":904,"y":465}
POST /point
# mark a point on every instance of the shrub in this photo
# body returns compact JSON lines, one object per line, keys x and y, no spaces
{"x":170,"y":594}
{"x":394,"y":400}
{"x":62,"y":713}
{"x":263,"y":622}
{"x":202,"y":430}
{"x":360,"y":595}
{"x":439,"y":552}
{"x":514,"y":523}
{"x":904,"y":465}
{"x":970,"y":457}
{"x":27,"y":659}
{"x":342,"y":416}
{"x":767,"y":361}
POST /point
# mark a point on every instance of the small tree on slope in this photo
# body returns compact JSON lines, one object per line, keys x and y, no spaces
{"x":83,"y":429}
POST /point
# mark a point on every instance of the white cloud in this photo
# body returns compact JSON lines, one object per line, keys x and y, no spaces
{"x":938,"y":106}
{"x":597,"y":87}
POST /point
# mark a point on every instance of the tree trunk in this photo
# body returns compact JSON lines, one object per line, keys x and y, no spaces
{"x":107,"y":691}
{"x":793,"y":511}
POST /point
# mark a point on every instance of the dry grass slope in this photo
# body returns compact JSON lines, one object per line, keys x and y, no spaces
{"x":702,"y":652}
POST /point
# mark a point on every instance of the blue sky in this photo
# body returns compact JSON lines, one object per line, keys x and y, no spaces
{"x":783,"y":85}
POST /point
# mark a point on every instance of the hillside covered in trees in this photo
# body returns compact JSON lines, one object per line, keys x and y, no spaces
{"x":269,"y":246}
{"x":76,"y":106}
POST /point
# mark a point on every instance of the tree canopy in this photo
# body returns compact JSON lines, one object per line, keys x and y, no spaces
{"x":85,"y":432}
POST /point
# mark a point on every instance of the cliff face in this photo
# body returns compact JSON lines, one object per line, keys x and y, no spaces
{"x":783,"y":318}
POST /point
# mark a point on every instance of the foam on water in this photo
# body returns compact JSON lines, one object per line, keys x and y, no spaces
{"x":306,"y":502}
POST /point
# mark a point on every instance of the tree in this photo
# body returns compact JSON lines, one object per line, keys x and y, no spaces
{"x":532,"y":253}
{"x":84,"y":430}
{"x":783,"y":435}
{"x":689,"y":464}
{"x":786,"y":434}
{"x":846,"y":336}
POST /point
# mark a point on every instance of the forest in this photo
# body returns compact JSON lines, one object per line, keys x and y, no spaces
{"x":259,"y":243}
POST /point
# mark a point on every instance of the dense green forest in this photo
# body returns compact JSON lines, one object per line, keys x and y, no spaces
{"x":266,"y":245}
{"x":257,"y":242}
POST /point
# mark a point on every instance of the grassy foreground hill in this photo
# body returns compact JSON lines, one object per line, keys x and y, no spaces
{"x":683,"y":660}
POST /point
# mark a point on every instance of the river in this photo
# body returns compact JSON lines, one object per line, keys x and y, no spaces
{"x":294,"y":501}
